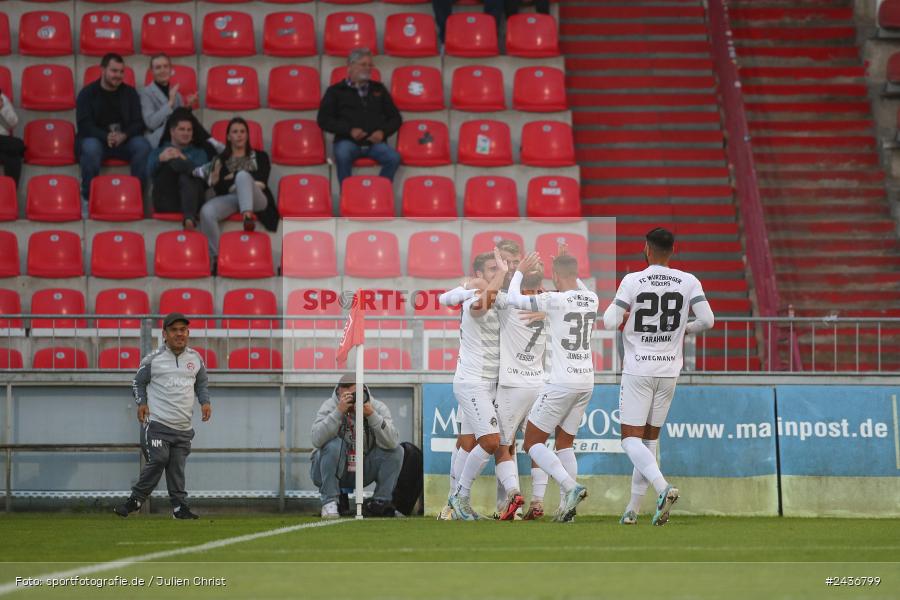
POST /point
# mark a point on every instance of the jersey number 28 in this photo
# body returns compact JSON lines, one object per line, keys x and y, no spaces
{"x":670,"y":317}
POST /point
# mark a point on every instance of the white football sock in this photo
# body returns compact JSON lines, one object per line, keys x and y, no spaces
{"x":539,"y":479}
{"x":458,"y":464}
{"x":645,"y":462}
{"x":506,"y":474}
{"x":567,"y":458}
{"x":501,"y":491}
{"x":453,"y":470}
{"x":549,"y":462}
{"x":475,"y":463}
{"x":639,"y":483}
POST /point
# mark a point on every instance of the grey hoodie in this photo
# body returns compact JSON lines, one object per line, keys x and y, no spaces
{"x":169,"y":383}
{"x":330,"y":423}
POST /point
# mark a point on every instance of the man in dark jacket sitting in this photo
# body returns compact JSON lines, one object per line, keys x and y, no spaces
{"x":110,"y":124}
{"x":362,"y":116}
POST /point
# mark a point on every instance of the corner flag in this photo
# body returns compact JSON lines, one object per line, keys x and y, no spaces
{"x":354,"y":335}
{"x":354,"y":329}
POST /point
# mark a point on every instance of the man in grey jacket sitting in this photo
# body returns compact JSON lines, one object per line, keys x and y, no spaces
{"x":333,"y":437}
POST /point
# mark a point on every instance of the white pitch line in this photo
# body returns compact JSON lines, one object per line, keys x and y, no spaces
{"x":8,"y":588}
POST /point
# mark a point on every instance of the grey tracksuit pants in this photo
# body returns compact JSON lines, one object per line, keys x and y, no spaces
{"x":165,"y":449}
{"x":380,"y":465}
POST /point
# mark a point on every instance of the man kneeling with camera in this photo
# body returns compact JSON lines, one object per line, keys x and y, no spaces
{"x":334,"y":459}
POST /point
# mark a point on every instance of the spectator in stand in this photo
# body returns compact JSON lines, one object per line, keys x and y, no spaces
{"x":444,"y":8}
{"x":362,"y":116}
{"x":540,"y":6}
{"x":110,"y":125}
{"x":239,"y":176}
{"x":160,"y":100}
{"x":170,"y":167}
{"x":12,"y":149}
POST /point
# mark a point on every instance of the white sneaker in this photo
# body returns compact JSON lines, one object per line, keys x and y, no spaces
{"x":446,"y":514}
{"x":330,"y":511}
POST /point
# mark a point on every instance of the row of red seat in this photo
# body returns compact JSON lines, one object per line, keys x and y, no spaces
{"x":55,"y":198}
{"x":248,"y":255}
{"x":416,"y":88}
{"x":292,"y":34}
{"x":420,"y":142}
{"x":255,"y":358}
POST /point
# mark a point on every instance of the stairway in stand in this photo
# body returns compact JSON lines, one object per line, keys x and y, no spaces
{"x":649,"y":142}
{"x":833,"y":240}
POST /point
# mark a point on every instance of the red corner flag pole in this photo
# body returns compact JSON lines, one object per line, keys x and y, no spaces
{"x":354,"y":335}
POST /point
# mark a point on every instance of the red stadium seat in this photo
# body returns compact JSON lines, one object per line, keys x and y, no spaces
{"x":547,"y":244}
{"x":121,"y":301}
{"x":387,"y":359}
{"x":442,"y":359}
{"x":429,"y":197}
{"x":311,"y":359}
{"x":553,"y":198}
{"x":60,"y":357}
{"x":53,"y":198}
{"x":121,"y":358}
{"x":232,"y":87}
{"x":228,"y":33}
{"x":372,"y":254}
{"x":892,"y":73}
{"x":539,"y":89}
{"x":188,"y":301}
{"x":309,"y":254}
{"x":9,"y":254}
{"x":297,"y":142}
{"x":304,"y":196}
{"x":434,"y":255}
{"x":484,"y":143}
{"x":340,"y":74}
{"x":532,"y":36}
{"x":313,"y":303}
{"x":183,"y":76}
{"x":9,"y":203}
{"x":410,"y":35}
{"x":116,"y":198}
{"x":547,"y":144}
{"x":167,"y":31}
{"x":57,"y":301}
{"x":889,"y":14}
{"x":106,"y":31}
{"x":289,"y":34}
{"x":47,"y":87}
{"x":118,"y":255}
{"x":426,"y":305}
{"x":10,"y":359}
{"x":245,"y":255}
{"x":55,"y":254}
{"x":345,"y":31}
{"x":384,"y":303}
{"x":294,"y":87}
{"x":6,"y":85}
{"x":92,"y":74}
{"x":417,"y":89}
{"x":10,"y":304}
{"x":49,"y":142}
{"x":424,"y":143}
{"x":45,"y":33}
{"x":486,"y":240}
{"x":5,"y":39}
{"x":220,"y":128}
{"x":250,"y":301}
{"x":209,"y":357}
{"x":471,"y":35}
{"x":491,"y":197}
{"x":477,"y":88}
{"x":181,"y":255}
{"x":367,"y":197}
{"x":255,"y":358}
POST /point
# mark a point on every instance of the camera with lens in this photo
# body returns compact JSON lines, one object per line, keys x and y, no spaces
{"x":365,"y":397}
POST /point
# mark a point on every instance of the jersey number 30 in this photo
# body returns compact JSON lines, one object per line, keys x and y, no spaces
{"x":670,"y":317}
{"x":582,"y":326}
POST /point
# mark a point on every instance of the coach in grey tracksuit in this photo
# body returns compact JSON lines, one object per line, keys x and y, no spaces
{"x":164,"y":388}
{"x":333,"y":440}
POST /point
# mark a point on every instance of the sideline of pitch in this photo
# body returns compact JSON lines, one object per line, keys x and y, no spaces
{"x":8,"y":588}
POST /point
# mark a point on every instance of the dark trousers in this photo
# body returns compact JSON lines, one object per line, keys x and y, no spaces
{"x":541,"y":6}
{"x":379,"y":466}
{"x":444,"y":8}
{"x":165,"y":449}
{"x":176,"y":190}
{"x":11,"y":151}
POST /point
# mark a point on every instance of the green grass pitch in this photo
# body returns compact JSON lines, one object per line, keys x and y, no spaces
{"x":424,"y":559}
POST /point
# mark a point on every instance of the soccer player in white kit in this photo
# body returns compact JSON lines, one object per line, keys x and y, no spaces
{"x":655,"y":303}
{"x":570,"y":315}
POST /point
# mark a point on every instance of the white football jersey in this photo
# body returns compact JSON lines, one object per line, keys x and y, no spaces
{"x":659,"y":299}
{"x":479,"y":345}
{"x":522,"y":347}
{"x":570,"y":325}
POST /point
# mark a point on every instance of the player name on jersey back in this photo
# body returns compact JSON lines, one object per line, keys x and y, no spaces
{"x":659,"y":299}
{"x":522,"y":346}
{"x":479,"y":345}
